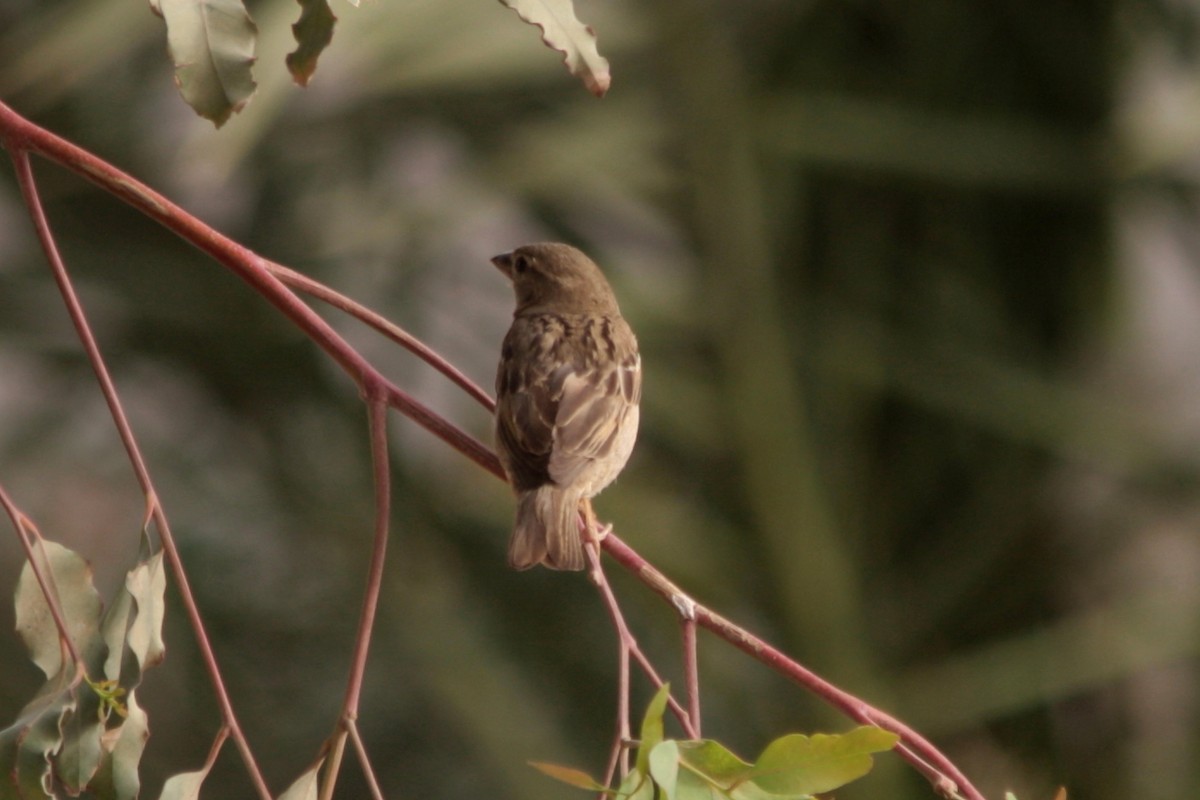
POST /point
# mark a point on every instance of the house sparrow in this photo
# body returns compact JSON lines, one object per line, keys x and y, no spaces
{"x":567,"y":393}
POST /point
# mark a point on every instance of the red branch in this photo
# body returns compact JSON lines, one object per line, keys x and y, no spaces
{"x":20,"y":136}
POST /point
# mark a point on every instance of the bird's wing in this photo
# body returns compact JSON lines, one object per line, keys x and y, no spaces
{"x":597,"y":408}
{"x":525,"y":416}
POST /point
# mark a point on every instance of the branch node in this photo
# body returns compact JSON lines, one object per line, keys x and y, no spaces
{"x":947,"y":788}
{"x":685,"y":605}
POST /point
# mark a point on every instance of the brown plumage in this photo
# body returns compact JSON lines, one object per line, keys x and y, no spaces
{"x":567,"y":393}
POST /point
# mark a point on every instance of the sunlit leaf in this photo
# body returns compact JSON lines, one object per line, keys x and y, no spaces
{"x":313,"y":33}
{"x":713,"y":770}
{"x":562,"y":31}
{"x":568,"y":775}
{"x":184,"y":786}
{"x":147,"y":584}
{"x":212,"y":46}
{"x":714,"y":760}
{"x":799,"y":764}
{"x":305,"y":787}
{"x":636,"y":786}
{"x":693,"y":786}
{"x":664,"y":765}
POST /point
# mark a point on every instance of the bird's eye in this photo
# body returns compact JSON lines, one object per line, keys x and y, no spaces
{"x":520,"y":264}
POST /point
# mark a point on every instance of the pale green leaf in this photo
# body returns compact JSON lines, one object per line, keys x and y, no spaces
{"x":313,"y":33}
{"x":212,"y":45}
{"x":184,"y":786}
{"x":714,"y":761}
{"x":26,"y":746}
{"x":797,"y":764}
{"x":70,"y":577}
{"x":114,"y":630}
{"x":81,"y":751}
{"x":146,"y":584}
{"x":751,"y":791}
{"x":305,"y":787}
{"x":90,"y":735}
{"x":562,"y":31}
{"x":692,"y":786}
{"x":664,"y":766}
{"x":636,"y":786}
{"x":118,"y":777}
{"x":652,"y":726}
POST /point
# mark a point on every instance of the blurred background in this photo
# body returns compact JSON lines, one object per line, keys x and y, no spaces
{"x":917,"y":292}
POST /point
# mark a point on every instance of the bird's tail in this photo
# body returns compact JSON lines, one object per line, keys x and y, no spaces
{"x":546,"y":530}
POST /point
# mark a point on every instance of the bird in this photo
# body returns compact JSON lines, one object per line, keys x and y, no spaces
{"x":568,"y":388}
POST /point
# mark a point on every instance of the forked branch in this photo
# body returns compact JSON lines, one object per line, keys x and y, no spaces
{"x":272,"y":281}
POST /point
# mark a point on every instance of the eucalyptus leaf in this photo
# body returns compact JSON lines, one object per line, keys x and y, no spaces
{"x":562,"y":31}
{"x":652,"y":727}
{"x":212,"y":44}
{"x":70,"y":577}
{"x":305,"y":787}
{"x":636,"y":786}
{"x":799,"y":764}
{"x":184,"y":786}
{"x":713,"y":760}
{"x":664,"y":766}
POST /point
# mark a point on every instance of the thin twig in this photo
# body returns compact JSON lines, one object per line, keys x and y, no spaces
{"x":79,"y":319}
{"x":918,"y":751}
{"x":619,"y":756}
{"x":691,"y":672}
{"x":375,"y":397}
{"x":385,"y":326}
{"x":20,"y":136}
{"x":364,"y":760}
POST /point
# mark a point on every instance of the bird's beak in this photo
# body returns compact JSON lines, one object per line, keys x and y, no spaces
{"x":503,"y":263}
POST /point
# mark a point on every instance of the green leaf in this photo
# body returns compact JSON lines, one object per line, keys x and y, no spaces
{"x":184,"y":786}
{"x":313,"y":33}
{"x":27,"y":746}
{"x":693,"y":786}
{"x":70,"y":578}
{"x":652,"y":727}
{"x":713,"y":760}
{"x":81,"y":753}
{"x":91,"y":734}
{"x":212,"y":46}
{"x":568,"y":775}
{"x":56,"y":728}
{"x":636,"y":786}
{"x":710,"y":767}
{"x":118,"y":776}
{"x":305,"y":787}
{"x":146,"y":584}
{"x":664,"y":766}
{"x":562,"y":31}
{"x":798,"y":765}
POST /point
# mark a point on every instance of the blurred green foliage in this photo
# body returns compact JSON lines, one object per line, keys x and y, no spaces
{"x":914,"y":285}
